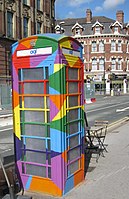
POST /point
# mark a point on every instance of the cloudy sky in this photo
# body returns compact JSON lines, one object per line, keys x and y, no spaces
{"x":77,"y":8}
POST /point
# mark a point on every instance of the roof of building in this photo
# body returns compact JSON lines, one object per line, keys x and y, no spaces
{"x":106,"y":22}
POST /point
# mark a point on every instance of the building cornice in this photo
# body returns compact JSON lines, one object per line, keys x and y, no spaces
{"x":101,"y":35}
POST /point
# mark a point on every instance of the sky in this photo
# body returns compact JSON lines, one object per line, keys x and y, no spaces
{"x":77,"y":8}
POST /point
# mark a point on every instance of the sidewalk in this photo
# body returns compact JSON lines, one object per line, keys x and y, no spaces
{"x":109,"y":178}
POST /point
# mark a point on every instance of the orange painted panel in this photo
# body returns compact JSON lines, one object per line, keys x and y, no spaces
{"x":46,"y":186}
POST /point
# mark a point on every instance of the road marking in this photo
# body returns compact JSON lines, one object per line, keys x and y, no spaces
{"x":6,"y":129}
{"x":120,"y":110}
{"x":107,"y":107}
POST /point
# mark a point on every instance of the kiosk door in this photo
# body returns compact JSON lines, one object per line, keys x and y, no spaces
{"x":35,"y":121}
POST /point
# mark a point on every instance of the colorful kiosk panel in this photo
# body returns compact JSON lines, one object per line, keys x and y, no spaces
{"x":48,"y":112}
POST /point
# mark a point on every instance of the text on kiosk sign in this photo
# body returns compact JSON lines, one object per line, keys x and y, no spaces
{"x":33,"y":52}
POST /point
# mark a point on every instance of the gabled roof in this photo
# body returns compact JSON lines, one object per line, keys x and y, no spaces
{"x":97,"y":24}
{"x":77,"y":25}
{"x":88,"y":27}
{"x":127,"y":25}
{"x":117,"y":23}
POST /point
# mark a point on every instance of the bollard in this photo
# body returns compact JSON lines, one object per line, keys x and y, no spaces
{"x":112,"y":92}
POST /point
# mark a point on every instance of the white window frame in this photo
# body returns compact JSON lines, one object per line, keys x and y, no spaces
{"x":127,"y":64}
{"x":77,"y":31}
{"x":101,"y":46}
{"x":94,"y":46}
{"x":113,"y":45}
{"x":94,"y":64}
{"x":119,"y":45}
{"x":101,"y":64}
{"x":113,"y":64}
{"x":127,"y":50}
{"x":116,"y":29}
{"x":97,"y":29}
{"x":119,"y":66}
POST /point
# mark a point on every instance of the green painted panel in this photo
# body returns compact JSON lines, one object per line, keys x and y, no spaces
{"x":57,"y":81}
{"x":42,"y":43}
{"x":57,"y":124}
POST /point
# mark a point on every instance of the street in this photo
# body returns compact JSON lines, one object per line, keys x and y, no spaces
{"x":108,"y":108}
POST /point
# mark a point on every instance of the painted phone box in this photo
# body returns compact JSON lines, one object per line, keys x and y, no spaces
{"x":48,"y":109}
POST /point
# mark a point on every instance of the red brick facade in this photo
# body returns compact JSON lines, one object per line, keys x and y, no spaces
{"x":45,"y":16}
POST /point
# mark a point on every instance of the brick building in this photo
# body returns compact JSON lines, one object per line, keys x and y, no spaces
{"x":19,"y":19}
{"x":105,"y":42}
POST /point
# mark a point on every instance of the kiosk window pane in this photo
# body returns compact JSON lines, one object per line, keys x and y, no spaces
{"x":48,"y":116}
{"x":35,"y":170}
{"x":47,"y":87}
{"x":73,"y":141}
{"x":19,"y":74}
{"x":20,"y":88}
{"x":49,"y":172}
{"x":73,"y":127}
{"x":73,"y":101}
{"x":73,"y":73}
{"x":73,"y":167}
{"x":73,"y":154}
{"x":34,"y":88}
{"x":36,"y":157}
{"x":33,"y":74}
{"x":35,"y":130}
{"x":46,"y":73}
{"x":48,"y":102}
{"x":35,"y":144}
{"x":73,"y":87}
{"x":20,"y":100}
{"x":34,"y":102}
{"x":34,"y":116}
{"x":72,"y":115}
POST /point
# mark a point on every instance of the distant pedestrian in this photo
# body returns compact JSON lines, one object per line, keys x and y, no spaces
{"x":118,"y":91}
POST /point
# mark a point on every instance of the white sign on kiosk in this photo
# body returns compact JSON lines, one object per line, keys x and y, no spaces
{"x":33,"y":52}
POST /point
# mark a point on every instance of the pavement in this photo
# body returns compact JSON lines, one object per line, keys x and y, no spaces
{"x":109,"y":177}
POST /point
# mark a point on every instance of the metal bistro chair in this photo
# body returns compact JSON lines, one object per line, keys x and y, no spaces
{"x":101,"y":135}
{"x":89,"y":145}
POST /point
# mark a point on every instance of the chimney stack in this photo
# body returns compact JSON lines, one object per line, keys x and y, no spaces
{"x":88,"y":16}
{"x":120,"y":16}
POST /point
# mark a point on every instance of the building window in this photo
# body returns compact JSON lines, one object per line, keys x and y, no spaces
{"x":25,"y":2}
{"x":39,"y":25}
{"x":101,"y":64}
{"x":119,"y":64}
{"x":38,"y":4}
{"x":113,"y":64}
{"x":94,"y":46}
{"x":94,"y":64}
{"x":116,"y":29}
{"x":101,"y":46}
{"x":97,"y":30}
{"x":119,"y":45}
{"x":77,"y":31}
{"x":9,"y":24}
{"x":127,"y":47}
{"x":83,"y":52}
{"x":113,"y":45}
{"x":25,"y":27}
{"x":127,"y":64}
